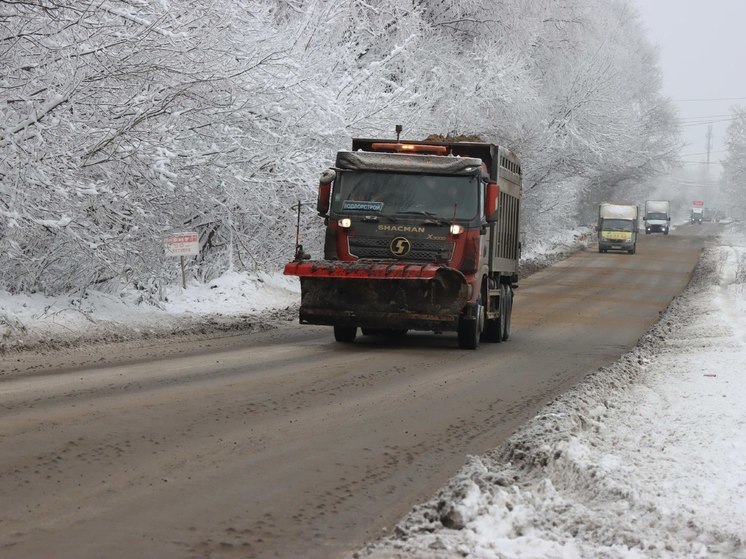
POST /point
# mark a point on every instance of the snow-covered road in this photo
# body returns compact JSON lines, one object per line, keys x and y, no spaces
{"x":646,"y":458}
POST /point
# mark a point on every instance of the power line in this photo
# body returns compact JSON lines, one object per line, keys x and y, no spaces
{"x":704,"y":117}
{"x":688,"y":124}
{"x":703,"y":153}
{"x":711,"y":99}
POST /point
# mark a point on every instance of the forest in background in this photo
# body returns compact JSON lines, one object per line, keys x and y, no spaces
{"x":124,"y":120}
{"x":734,"y":166}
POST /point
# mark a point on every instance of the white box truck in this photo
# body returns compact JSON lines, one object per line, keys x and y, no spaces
{"x":657,"y":216}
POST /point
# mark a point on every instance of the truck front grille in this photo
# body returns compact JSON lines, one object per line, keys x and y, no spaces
{"x":421,"y":250}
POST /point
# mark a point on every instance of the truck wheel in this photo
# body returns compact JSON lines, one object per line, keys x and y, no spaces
{"x":493,"y":327}
{"x":345,"y":334}
{"x":508,"y":312}
{"x":469,"y":331}
{"x":632,"y":250}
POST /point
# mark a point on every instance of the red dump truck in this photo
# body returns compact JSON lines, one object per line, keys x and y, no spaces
{"x":420,"y":235}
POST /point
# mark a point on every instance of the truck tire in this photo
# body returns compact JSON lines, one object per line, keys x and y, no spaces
{"x":345,"y":334}
{"x":508,"y":312}
{"x":470,"y":331}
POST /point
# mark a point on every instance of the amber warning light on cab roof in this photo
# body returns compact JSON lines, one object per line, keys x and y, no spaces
{"x":409,"y":148}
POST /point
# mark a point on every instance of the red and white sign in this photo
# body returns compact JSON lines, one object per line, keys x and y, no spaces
{"x":182,"y":244}
{"x":698,"y":203}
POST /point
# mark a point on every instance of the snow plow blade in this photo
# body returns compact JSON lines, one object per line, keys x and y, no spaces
{"x":380,"y":295}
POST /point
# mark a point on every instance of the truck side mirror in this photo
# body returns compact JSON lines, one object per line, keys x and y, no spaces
{"x":491,"y":203}
{"x":325,"y":190}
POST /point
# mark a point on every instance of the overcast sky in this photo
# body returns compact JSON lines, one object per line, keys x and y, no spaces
{"x":702,"y":53}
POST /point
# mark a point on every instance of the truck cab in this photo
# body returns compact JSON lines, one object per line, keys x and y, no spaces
{"x":371,"y":208}
{"x":657,"y":216}
{"x":617,"y":227}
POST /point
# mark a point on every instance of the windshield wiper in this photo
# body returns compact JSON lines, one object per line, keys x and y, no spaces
{"x":432,"y":219}
{"x":416,"y":212}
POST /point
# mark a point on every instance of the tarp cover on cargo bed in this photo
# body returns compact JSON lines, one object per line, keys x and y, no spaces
{"x":405,"y":162}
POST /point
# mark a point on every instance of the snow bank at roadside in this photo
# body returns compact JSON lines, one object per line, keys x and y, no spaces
{"x":231,"y":302}
{"x":545,"y":252}
{"x":645,"y":458}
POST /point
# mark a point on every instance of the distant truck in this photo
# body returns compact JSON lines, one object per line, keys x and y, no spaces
{"x":617,"y":227}
{"x":420,"y":235}
{"x":657,"y":216}
{"x":697,"y":213}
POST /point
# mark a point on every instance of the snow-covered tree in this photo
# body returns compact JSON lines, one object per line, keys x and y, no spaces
{"x":122,"y":121}
{"x":734,"y":164}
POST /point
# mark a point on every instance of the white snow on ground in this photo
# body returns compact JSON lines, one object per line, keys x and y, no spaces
{"x":31,"y":320}
{"x":645,"y":458}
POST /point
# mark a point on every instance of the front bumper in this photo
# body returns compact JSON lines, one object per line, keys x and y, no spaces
{"x":615,"y":245}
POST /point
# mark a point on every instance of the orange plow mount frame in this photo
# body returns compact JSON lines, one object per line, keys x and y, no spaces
{"x":380,"y":294}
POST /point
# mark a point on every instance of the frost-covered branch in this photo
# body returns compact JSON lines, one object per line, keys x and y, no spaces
{"x":123,"y":121}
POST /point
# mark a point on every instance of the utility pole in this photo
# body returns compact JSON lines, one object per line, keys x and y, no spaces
{"x":709,"y":141}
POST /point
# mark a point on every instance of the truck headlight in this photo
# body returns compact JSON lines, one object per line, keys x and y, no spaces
{"x":456,"y":229}
{"x":345,"y":223}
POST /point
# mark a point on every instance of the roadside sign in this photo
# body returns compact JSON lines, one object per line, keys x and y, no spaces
{"x":698,"y":203}
{"x":182,"y":244}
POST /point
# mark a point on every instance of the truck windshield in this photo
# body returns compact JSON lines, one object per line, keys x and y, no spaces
{"x":617,"y":225}
{"x":657,"y":215}
{"x":403,"y":194}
